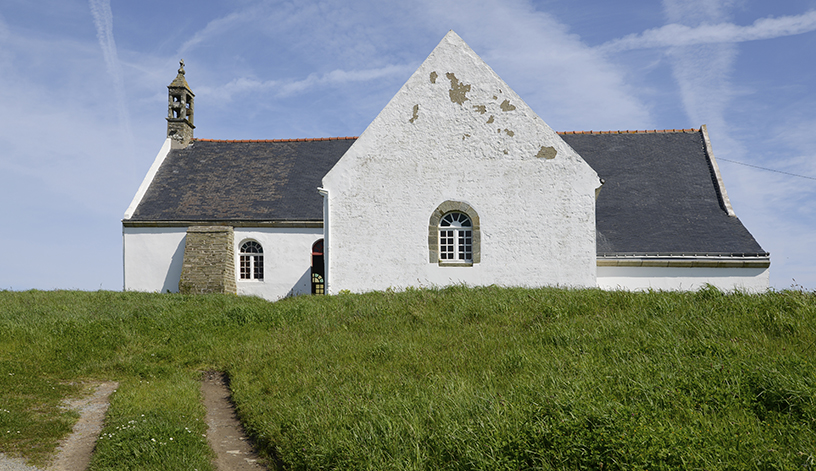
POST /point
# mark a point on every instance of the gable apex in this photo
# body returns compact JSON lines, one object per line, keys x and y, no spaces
{"x":454,"y":106}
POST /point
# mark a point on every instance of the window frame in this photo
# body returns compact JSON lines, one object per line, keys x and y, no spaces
{"x":255,"y":261}
{"x":434,"y":235}
{"x":318,"y":278}
{"x":455,"y":238}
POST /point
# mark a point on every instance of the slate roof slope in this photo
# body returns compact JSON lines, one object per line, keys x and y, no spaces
{"x":660,"y":197}
{"x":242,"y":180}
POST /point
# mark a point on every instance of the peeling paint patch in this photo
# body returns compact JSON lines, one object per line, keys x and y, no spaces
{"x":465,"y":136}
{"x":490,"y":119}
{"x":506,"y":106}
{"x":495,"y":97}
{"x":547,"y":153}
{"x":505,"y":152}
{"x":416,"y":114}
{"x":434,"y":75}
{"x":480,"y":108}
{"x":509,"y":132}
{"x":458,"y":89}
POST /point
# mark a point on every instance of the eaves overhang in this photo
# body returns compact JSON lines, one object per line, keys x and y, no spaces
{"x":702,"y":260}
{"x":226,"y":222}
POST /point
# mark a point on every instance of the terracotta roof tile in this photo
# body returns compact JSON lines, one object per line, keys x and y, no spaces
{"x":645,"y":131}
{"x":351,"y":138}
{"x":302,"y":139}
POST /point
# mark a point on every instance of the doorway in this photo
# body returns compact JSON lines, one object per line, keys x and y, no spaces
{"x":318,"y":269}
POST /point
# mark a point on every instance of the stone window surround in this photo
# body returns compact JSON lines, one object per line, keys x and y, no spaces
{"x":433,"y":233}
{"x":241,"y":253}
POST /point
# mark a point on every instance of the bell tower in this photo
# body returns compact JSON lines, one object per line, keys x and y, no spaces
{"x":180,"y":111}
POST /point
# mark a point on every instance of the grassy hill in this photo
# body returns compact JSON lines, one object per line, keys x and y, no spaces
{"x":456,"y":378}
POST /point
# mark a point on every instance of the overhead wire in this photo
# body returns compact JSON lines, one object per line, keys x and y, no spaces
{"x":767,"y":169}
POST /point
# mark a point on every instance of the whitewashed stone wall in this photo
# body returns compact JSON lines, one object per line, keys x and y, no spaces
{"x":153,"y":258}
{"x":457,"y":132}
{"x":755,"y":280}
{"x":287,"y":261}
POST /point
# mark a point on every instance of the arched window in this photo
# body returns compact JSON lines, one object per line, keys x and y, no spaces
{"x":454,"y":236}
{"x":251,"y":261}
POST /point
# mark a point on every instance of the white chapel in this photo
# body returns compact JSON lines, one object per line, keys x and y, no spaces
{"x":457,"y":180}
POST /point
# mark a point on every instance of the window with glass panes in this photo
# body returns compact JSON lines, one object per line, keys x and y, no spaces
{"x":251,"y":265}
{"x":456,"y":238}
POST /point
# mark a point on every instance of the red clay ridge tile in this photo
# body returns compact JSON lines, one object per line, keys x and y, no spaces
{"x":645,"y":131}
{"x":347,"y":138}
{"x":302,"y":139}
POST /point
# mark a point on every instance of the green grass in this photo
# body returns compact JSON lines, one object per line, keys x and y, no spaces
{"x":456,"y":378}
{"x":155,"y":424}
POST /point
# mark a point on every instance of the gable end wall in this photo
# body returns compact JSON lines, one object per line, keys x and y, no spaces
{"x":456,"y":132}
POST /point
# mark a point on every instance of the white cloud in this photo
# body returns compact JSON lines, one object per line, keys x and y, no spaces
{"x":702,"y":71}
{"x":571,"y":85}
{"x":282,"y":88}
{"x":103,"y":20}
{"x":702,"y":53}
{"x":217,"y":27}
{"x":682,"y":35}
{"x":703,"y":75}
{"x":795,"y":137}
{"x":780,"y":212}
{"x":339,"y":77}
{"x":61,"y":133}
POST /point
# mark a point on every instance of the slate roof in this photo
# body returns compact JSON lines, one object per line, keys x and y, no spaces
{"x":660,"y":196}
{"x":242,"y":180}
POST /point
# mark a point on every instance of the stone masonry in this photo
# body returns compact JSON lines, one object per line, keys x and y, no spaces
{"x":209,"y":261}
{"x":180,"y":111}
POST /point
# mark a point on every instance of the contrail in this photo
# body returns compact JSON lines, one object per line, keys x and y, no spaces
{"x":103,"y":19}
{"x":682,"y":35}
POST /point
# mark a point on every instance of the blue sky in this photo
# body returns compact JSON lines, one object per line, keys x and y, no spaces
{"x":83,"y":98}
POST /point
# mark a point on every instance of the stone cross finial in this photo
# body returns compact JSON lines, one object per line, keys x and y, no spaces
{"x":181,"y":67}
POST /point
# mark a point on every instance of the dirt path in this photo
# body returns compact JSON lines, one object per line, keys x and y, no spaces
{"x":75,"y":452}
{"x":15,"y":464}
{"x":225,"y":434}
